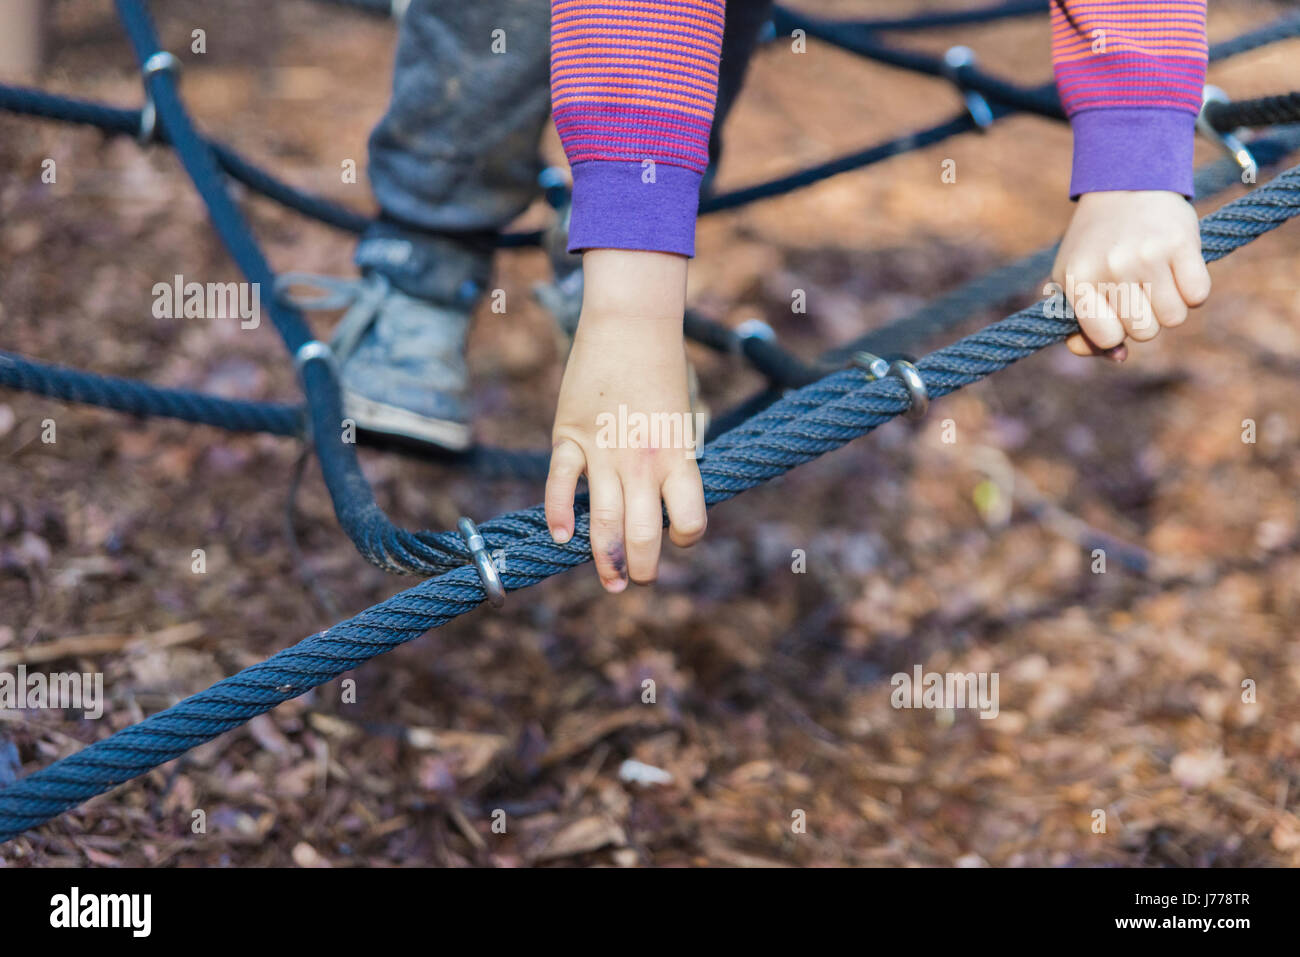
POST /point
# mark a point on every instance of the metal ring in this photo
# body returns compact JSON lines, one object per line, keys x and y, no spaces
{"x":148,"y":131}
{"x":555,"y":185}
{"x":1227,"y":140}
{"x":911,"y":379}
{"x":159,"y":62}
{"x":312,"y":349}
{"x":751,"y":329}
{"x":483,"y":564}
{"x":955,"y":59}
{"x":756,"y":329}
{"x":874,"y":366}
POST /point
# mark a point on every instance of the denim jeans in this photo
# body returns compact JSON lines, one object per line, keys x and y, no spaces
{"x":455,"y":157}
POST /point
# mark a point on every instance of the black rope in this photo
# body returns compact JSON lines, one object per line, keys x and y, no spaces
{"x":954,"y":18}
{"x":1041,"y":100}
{"x":140,"y":398}
{"x":1264,"y":111}
{"x":124,"y":122}
{"x":961,"y":123}
{"x":381,"y":8}
{"x":1284,"y":27}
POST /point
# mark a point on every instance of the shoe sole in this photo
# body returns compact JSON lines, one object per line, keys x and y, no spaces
{"x":389,"y":419}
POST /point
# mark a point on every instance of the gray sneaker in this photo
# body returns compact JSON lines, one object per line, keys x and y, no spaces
{"x":401,"y":359}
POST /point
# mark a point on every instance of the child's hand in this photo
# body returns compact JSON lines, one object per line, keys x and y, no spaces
{"x":1129,"y":264}
{"x":628,"y":352}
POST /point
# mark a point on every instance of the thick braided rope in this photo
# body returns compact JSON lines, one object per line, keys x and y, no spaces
{"x":805,"y":424}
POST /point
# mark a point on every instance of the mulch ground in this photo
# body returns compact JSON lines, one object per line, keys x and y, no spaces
{"x":1120,"y":692}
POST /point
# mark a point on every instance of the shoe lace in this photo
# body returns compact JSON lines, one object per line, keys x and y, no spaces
{"x":361,"y":298}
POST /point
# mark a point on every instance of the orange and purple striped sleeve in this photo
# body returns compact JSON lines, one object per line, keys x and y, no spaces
{"x":1130,"y":74}
{"x":633,"y":88}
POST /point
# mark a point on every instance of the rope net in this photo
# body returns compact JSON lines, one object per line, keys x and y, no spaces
{"x":766,"y":436}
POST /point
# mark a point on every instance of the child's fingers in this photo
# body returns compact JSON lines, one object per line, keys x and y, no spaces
{"x":1136,"y":312}
{"x":1166,"y":301}
{"x":1096,"y":318}
{"x":567,"y":464}
{"x":607,"y":550}
{"x":684,"y":498}
{"x":1080,"y":346}
{"x":644,"y":528}
{"x":1191,"y":275}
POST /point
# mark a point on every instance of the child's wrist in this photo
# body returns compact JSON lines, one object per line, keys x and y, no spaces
{"x":632,"y":286}
{"x":643,"y":322}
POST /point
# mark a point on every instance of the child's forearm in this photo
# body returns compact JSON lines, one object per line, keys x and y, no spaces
{"x":1130,"y":75}
{"x":628,"y":362}
{"x":633,"y":89}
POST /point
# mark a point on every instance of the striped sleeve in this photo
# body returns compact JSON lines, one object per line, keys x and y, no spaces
{"x":633,"y":88}
{"x":1130,"y":74}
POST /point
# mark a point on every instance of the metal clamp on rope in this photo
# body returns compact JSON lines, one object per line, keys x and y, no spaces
{"x":905,"y":372}
{"x":558,"y":192}
{"x":483,"y":564}
{"x":1229,"y":141}
{"x":160,"y":62}
{"x":309,"y":350}
{"x":752,"y":329}
{"x":955,"y":60}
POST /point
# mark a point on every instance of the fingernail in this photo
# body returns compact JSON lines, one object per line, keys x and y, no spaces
{"x":1117,"y":354}
{"x":560,"y":535}
{"x":615,"y":585}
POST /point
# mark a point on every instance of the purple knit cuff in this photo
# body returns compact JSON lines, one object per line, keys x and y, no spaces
{"x":621,"y":205}
{"x":1147,"y":148}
